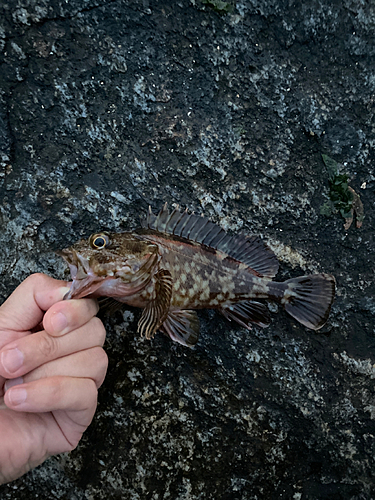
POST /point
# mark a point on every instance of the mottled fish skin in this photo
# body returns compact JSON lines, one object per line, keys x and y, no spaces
{"x":178,"y":262}
{"x":202,"y":278}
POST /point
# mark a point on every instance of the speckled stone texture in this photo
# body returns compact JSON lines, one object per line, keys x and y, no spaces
{"x":109,"y":106}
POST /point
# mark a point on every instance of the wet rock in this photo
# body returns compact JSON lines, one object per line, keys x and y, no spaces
{"x":106,"y":108}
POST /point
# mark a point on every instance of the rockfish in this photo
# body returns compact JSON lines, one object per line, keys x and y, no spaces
{"x":178,"y":262}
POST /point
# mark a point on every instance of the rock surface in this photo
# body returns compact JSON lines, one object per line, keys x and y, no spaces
{"x":107,"y":107}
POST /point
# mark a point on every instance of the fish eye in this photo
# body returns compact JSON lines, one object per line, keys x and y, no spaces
{"x":99,"y":241}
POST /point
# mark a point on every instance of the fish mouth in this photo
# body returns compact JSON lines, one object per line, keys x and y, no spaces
{"x":93,"y":279}
{"x":85,"y":281}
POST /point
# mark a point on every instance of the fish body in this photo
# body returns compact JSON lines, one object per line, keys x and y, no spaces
{"x":179,"y":262}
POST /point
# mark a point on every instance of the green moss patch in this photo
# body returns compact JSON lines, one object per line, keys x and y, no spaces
{"x":342,"y":198}
{"x":219,"y":6}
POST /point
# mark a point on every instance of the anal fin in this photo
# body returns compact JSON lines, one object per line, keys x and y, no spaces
{"x":247,"y":312}
{"x":182,"y":327}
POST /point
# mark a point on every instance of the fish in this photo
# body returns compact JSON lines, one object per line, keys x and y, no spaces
{"x":178,"y":262}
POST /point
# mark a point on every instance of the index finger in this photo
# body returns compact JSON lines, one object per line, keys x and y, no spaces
{"x":25,"y":307}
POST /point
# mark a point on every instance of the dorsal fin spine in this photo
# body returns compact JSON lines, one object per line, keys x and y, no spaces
{"x":187,"y":217}
{"x":216,"y":238}
{"x":250,"y":251}
{"x":200,"y":236}
{"x":176,"y":213}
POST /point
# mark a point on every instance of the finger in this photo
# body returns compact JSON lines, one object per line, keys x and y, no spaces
{"x":62,"y":317}
{"x":55,"y":393}
{"x":68,"y":315}
{"x":26,"y":354}
{"x":25,"y":307}
{"x":90,"y":363}
{"x":12,"y":382}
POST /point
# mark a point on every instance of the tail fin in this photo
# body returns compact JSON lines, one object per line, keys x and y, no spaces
{"x":309,"y":298}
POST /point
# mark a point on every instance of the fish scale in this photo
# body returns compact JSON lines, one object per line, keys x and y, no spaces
{"x":178,"y":262}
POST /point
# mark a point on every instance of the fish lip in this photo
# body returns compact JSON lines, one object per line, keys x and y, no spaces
{"x":75,"y":260}
{"x":80,"y":287}
{"x":84,"y":279}
{"x":70,"y":257}
{"x":68,"y":254}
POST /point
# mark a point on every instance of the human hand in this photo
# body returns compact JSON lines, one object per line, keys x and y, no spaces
{"x":48,"y":379}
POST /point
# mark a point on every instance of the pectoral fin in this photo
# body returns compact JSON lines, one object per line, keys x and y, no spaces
{"x":109,"y":305}
{"x":182,"y":327}
{"x":156,"y":311}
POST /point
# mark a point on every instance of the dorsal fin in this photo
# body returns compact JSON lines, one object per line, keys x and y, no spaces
{"x":249,"y":250}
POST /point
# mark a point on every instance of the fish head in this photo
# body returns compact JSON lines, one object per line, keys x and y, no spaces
{"x":118,"y":264}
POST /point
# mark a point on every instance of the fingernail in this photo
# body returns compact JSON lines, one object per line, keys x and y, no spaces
{"x":12,"y":360}
{"x":63,"y":291}
{"x":17,"y":396}
{"x":59,"y":322}
{"x":12,"y":382}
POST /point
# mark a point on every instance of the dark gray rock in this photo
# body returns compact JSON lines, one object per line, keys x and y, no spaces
{"x":107,"y":107}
